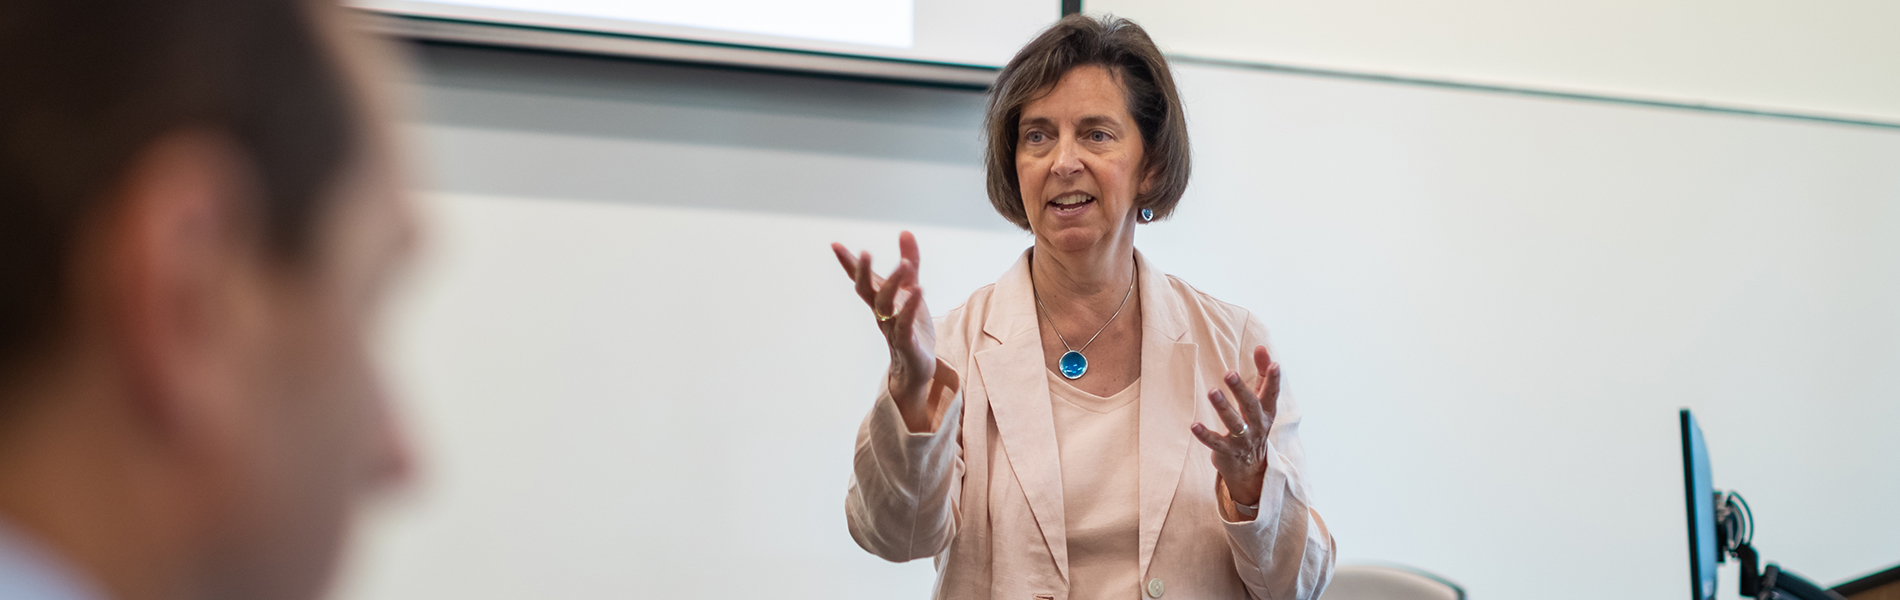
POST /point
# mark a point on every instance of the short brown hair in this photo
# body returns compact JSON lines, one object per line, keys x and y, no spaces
{"x":87,"y":85}
{"x":1126,"y":51}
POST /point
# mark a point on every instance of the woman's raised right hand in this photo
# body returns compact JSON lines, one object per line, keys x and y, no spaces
{"x":897,"y":304}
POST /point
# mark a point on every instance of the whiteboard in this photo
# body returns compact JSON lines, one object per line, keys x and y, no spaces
{"x":971,"y":32}
{"x":633,"y":367}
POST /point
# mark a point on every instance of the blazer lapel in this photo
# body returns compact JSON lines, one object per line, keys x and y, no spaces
{"x":1024,"y":418}
{"x":1170,"y":385}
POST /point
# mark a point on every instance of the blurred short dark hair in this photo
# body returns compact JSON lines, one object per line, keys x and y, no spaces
{"x":87,"y":85}
{"x":1125,"y":50}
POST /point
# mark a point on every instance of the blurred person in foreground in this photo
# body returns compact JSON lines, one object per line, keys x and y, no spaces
{"x":198,"y":222}
{"x":1044,"y":440}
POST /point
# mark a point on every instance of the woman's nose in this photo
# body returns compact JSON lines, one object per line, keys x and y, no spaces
{"x":1068,"y":161}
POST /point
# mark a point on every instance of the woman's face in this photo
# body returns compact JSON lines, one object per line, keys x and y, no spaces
{"x":1078,"y":160}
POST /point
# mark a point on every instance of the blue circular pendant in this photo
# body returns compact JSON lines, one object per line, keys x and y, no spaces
{"x":1073,"y":364}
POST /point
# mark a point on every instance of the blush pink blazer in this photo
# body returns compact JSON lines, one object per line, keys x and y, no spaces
{"x":983,"y":494}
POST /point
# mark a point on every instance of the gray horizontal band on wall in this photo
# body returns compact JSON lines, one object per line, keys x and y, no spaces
{"x":675,"y":50}
{"x":1524,"y":91}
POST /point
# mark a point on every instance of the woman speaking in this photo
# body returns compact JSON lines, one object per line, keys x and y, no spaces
{"x":1045,"y":439}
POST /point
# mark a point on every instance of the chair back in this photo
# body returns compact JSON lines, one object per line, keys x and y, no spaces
{"x":1384,"y":582}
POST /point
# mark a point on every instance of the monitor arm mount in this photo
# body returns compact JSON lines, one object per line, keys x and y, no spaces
{"x":1734,"y":530}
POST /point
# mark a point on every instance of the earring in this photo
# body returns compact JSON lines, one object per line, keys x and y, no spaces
{"x":1147,"y":215}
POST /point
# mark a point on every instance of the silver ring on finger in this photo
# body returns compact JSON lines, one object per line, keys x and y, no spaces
{"x":1241,"y":432}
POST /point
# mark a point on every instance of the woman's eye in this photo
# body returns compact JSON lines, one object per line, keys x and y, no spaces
{"x":1034,"y":137}
{"x":1098,"y":136}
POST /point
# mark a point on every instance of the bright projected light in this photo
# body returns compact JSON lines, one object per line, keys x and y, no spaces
{"x":969,"y":32}
{"x":868,"y":22}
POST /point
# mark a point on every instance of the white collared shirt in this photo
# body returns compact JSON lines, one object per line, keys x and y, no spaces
{"x":31,"y":571}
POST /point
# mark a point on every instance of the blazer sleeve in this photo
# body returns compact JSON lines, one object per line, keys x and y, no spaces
{"x":904,"y":486}
{"x":1285,"y":552}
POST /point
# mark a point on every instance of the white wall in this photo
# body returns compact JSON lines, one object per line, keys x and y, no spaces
{"x":636,"y":370}
{"x":632,"y":366}
{"x":1492,"y":307}
{"x":1825,"y":56}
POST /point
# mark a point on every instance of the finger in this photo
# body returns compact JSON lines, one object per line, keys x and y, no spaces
{"x":1270,"y":399}
{"x":907,"y":248}
{"x":1225,"y":409}
{"x":845,"y":260}
{"x":1269,"y":382}
{"x":902,"y":276}
{"x":1261,"y":360}
{"x":864,"y":276}
{"x":1249,"y":403}
{"x":905,"y":322}
{"x":1213,"y":441}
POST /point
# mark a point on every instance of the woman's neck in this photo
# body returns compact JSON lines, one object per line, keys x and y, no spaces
{"x":1096,"y":281}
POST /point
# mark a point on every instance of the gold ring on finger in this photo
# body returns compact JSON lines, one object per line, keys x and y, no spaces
{"x":881,"y":318}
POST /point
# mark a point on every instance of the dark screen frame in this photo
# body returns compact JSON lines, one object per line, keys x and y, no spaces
{"x":1699,"y":491}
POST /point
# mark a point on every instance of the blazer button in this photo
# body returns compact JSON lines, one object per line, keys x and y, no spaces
{"x":1154,"y":588}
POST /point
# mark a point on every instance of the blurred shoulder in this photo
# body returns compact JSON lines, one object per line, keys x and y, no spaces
{"x":958,"y":327}
{"x":973,"y":308}
{"x":1215,"y":318}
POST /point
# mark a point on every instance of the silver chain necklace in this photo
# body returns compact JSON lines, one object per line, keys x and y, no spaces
{"x":1073,"y":364}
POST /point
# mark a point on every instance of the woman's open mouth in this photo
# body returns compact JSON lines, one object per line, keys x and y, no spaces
{"x":1071,"y":203}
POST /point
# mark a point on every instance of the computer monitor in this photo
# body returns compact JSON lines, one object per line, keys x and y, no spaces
{"x":1703,"y":551}
{"x":1729,"y":530}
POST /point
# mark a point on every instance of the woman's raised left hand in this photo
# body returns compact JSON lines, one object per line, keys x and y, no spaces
{"x":1241,"y":455}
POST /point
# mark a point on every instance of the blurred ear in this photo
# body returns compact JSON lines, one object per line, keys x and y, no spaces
{"x":180,"y":263}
